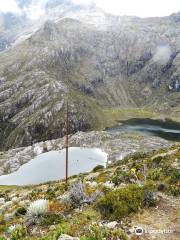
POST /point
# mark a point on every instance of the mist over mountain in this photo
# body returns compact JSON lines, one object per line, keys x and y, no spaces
{"x":99,"y":60}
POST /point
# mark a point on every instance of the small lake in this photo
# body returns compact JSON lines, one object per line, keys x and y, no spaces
{"x":50,"y":166}
{"x":165,"y":129}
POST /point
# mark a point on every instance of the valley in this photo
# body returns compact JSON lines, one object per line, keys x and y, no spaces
{"x":117,"y":65}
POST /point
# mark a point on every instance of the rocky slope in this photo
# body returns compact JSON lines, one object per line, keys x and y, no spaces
{"x":97,"y":61}
{"x":116,"y":145}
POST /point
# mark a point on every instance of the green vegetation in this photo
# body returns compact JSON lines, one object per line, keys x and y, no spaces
{"x":97,"y":233}
{"x":18,"y":233}
{"x":120,"y":176}
{"x":98,"y":168}
{"x":49,"y":219}
{"x":121,"y":202}
{"x":2,"y":238}
{"x":158,"y":167}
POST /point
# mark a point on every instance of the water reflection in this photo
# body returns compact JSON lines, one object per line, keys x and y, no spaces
{"x":165,"y":129}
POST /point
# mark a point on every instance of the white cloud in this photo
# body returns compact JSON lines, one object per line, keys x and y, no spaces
{"x":1,"y":23}
{"x":84,"y":2}
{"x":162,"y":54}
{"x":36,"y":9}
{"x":9,"y":6}
{"x":141,"y":8}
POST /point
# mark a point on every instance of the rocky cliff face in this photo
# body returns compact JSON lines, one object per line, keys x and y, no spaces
{"x":95,"y":59}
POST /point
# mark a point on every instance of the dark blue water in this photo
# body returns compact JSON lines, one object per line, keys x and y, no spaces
{"x":165,"y":129}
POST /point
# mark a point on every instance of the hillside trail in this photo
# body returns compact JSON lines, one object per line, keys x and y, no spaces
{"x":160,"y":223}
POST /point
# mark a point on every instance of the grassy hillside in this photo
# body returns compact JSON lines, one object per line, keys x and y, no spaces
{"x":142,"y":190}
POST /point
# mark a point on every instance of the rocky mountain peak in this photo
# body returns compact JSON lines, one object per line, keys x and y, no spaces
{"x":49,"y":31}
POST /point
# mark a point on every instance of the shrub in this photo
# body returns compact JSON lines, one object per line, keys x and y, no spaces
{"x":117,"y":234}
{"x":97,"y":168}
{"x":174,"y":190}
{"x":97,"y":233}
{"x":20,"y":211}
{"x":77,"y":194}
{"x":119,"y":203}
{"x":154,"y":174}
{"x":2,"y":228}
{"x":150,"y":186}
{"x":150,"y":199}
{"x":50,"y":219}
{"x":156,"y":161}
{"x":167,"y":168}
{"x":175,"y":176}
{"x":18,"y":233}
{"x":120,"y":176}
{"x":2,"y":238}
{"x":50,"y":194}
{"x":33,"y":195}
{"x":2,"y":224}
{"x":102,"y":178}
{"x":38,"y":208}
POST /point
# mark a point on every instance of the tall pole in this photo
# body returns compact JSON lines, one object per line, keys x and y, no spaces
{"x":67,"y":140}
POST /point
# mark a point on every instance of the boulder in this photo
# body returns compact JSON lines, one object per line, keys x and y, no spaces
{"x":2,"y":201}
{"x":52,"y":228}
{"x":112,"y":225}
{"x":109,"y":184}
{"x":67,"y":237}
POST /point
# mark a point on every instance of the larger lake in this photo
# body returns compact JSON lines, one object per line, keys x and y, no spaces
{"x":165,"y":129}
{"x":50,"y":166}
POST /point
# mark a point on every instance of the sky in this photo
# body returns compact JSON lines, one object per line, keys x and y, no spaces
{"x":141,"y":8}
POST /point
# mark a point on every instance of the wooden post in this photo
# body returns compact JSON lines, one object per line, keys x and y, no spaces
{"x":127,"y":70}
{"x":67,"y":140}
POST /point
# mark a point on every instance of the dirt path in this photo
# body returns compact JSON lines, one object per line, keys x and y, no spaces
{"x":160,"y":223}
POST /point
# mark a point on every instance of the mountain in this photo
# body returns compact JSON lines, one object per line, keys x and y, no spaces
{"x":97,"y":60}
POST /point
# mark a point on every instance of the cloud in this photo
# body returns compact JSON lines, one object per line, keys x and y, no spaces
{"x":84,"y":2}
{"x":141,"y":8}
{"x":9,"y":6}
{"x":1,"y":23}
{"x":36,"y":9}
{"x":162,"y":55}
{"x":33,"y":11}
